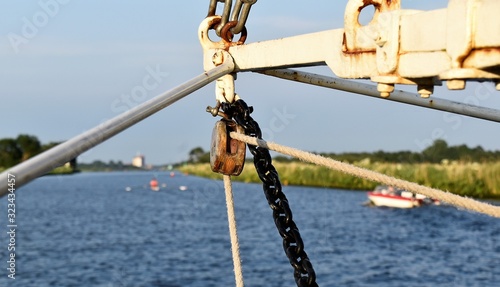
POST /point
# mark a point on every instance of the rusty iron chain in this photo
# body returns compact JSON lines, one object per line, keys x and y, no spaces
{"x":232,"y":21}
{"x":292,"y":241}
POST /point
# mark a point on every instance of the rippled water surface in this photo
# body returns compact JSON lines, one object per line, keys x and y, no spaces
{"x":87,"y":230}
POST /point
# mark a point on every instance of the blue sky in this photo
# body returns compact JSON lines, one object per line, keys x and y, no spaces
{"x":76,"y":68}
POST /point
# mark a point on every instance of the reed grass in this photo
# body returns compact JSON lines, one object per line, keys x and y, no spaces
{"x":478,"y":180}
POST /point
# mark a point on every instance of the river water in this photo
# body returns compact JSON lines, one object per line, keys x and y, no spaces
{"x":87,"y":230}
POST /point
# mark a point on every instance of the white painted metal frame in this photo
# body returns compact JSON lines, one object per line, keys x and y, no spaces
{"x":423,"y":48}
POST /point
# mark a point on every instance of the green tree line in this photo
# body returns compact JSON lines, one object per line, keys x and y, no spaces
{"x":438,"y":152}
{"x":16,"y":150}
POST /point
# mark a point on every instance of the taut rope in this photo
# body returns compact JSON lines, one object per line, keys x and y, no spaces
{"x":453,"y":199}
{"x":233,"y":232}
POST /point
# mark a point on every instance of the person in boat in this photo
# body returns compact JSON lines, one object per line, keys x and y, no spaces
{"x":391,"y":190}
{"x":153,"y":184}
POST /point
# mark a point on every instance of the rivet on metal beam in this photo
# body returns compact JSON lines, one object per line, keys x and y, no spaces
{"x":385,"y":89}
{"x":455,"y":84}
{"x":425,"y":91}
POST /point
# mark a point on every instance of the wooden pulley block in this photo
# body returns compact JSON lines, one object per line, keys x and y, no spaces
{"x":227,"y":155}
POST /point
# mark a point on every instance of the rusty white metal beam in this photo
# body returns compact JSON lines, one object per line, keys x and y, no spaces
{"x":59,"y":155}
{"x":397,"y":96}
{"x":456,"y":44}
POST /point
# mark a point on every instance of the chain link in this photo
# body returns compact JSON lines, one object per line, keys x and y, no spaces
{"x":292,"y":241}
{"x":238,"y":16}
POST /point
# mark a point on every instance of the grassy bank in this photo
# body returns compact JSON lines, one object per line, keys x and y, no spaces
{"x":62,"y":170}
{"x":468,"y":179}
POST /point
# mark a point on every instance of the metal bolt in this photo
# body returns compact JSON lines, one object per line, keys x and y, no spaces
{"x":497,"y":85}
{"x":213,"y":111}
{"x":425,"y":91}
{"x":455,"y":84}
{"x":218,"y":58}
{"x":385,"y":89}
{"x":380,"y":41}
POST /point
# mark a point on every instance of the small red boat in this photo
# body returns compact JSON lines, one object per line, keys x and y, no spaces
{"x":153,"y":184}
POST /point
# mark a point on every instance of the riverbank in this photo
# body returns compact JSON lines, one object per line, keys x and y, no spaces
{"x":62,"y":170}
{"x":477,"y":180}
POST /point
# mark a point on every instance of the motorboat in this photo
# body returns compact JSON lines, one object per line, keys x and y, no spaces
{"x":390,"y":196}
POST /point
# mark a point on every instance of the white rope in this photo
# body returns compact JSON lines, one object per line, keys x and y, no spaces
{"x":233,"y":232}
{"x":450,"y":198}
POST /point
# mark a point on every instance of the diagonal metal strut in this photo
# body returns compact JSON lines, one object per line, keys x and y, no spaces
{"x":397,"y":96}
{"x":59,"y":155}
